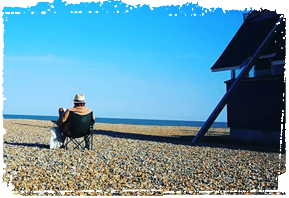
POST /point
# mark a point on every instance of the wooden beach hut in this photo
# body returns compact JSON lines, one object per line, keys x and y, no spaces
{"x":255,"y":96}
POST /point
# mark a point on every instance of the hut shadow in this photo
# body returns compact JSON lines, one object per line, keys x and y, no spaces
{"x":221,"y":141}
{"x":135,"y":136}
{"x":226,"y":142}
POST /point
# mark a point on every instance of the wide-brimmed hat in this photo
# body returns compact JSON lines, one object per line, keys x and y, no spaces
{"x":79,"y":98}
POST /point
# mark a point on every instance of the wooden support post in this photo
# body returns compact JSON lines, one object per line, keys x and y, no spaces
{"x":235,"y":85}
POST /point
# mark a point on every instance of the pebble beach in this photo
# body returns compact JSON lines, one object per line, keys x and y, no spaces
{"x":134,"y":160}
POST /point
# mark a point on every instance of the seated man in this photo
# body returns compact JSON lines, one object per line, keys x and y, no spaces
{"x":80,"y":109}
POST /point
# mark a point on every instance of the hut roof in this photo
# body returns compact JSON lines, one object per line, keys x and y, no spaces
{"x":249,"y":37}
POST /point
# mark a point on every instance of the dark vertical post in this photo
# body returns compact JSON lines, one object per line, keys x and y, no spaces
{"x":233,"y":74}
{"x":235,"y":85}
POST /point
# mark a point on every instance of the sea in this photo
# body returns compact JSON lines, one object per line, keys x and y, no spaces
{"x":127,"y":121}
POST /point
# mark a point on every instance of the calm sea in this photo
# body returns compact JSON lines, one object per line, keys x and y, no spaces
{"x":127,"y":121}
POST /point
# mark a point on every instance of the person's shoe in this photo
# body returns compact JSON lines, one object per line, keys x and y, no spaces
{"x":62,"y":147}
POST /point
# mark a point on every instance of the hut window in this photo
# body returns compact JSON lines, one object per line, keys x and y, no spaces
{"x":262,"y":68}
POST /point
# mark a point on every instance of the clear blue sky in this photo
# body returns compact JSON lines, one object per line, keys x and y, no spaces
{"x":141,"y":64}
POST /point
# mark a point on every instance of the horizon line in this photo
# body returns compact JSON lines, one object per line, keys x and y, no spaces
{"x":119,"y":118}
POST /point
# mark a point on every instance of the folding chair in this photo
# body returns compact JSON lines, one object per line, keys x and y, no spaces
{"x":79,"y":126}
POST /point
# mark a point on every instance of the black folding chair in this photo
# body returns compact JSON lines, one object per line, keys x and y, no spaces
{"x":79,"y":126}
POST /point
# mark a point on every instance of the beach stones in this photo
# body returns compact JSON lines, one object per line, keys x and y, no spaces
{"x":128,"y":166}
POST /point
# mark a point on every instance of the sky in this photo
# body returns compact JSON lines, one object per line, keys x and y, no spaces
{"x":128,"y":61}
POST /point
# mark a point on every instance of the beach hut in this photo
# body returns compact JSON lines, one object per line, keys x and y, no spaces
{"x":255,"y":96}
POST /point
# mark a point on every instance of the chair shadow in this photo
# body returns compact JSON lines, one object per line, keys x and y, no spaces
{"x":35,"y":125}
{"x":45,"y":146}
{"x":222,"y":141}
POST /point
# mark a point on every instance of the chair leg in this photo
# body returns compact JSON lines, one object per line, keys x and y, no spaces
{"x":91,"y":141}
{"x":88,"y":139}
{"x":89,"y":147}
{"x":66,"y":142}
{"x":77,"y":144}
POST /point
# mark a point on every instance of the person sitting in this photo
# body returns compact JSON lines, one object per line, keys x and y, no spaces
{"x":80,"y":109}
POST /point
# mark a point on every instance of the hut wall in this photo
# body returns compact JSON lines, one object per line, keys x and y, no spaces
{"x":255,"y":109}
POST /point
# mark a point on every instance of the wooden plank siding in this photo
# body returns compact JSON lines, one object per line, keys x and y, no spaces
{"x":257,"y":104}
